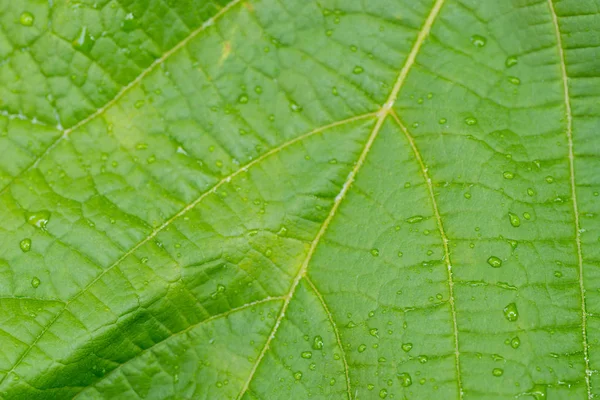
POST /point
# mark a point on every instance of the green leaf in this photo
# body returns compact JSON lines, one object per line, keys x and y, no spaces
{"x":264,"y":199}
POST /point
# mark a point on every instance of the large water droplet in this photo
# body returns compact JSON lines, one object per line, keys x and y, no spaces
{"x":297,"y":375}
{"x":383,"y":393}
{"x":405,"y":379}
{"x":39,"y":219}
{"x":515,"y":342}
{"x":25,"y":245}
{"x":478,"y":40}
{"x":317,"y":343}
{"x":511,"y":61}
{"x":415,"y":219}
{"x":511,"y":313}
{"x":494,"y":262}
{"x":497,"y":371}
{"x":84,"y":41}
{"x":407,"y":347}
{"x":362,"y":348}
{"x":514,"y":219}
{"x":26,"y":18}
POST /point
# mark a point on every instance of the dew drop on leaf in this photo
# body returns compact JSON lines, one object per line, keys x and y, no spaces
{"x":511,"y":61}
{"x":508,"y":175}
{"x":415,"y":219}
{"x":383,"y":393}
{"x":494,"y":261}
{"x":26,"y":18}
{"x":497,"y":371}
{"x":514,"y":219}
{"x":470,"y":121}
{"x":39,"y":219}
{"x":407,"y":347}
{"x":515,"y":342}
{"x":358,"y":70}
{"x":35,"y":282}
{"x":511,"y":313}
{"x":514,"y":80}
{"x":374,"y":332}
{"x":478,"y":40}
{"x":362,"y":348}
{"x":25,"y":245}
{"x":306,"y":354}
{"x":317,"y":343}
{"x":297,"y":375}
{"x":405,"y":379}
{"x":375,"y":252}
{"x":243,"y":99}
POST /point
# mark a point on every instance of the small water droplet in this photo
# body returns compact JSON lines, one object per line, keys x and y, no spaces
{"x":508,"y":175}
{"x":306,"y":354}
{"x":129,"y":23}
{"x":515,"y":342}
{"x":374,"y":332}
{"x":375,"y":252}
{"x":526,"y":215}
{"x":383,"y":393}
{"x":478,"y":40}
{"x":415,"y":219}
{"x":358,"y":70}
{"x":497,"y":371}
{"x":84,"y":41}
{"x":530,"y":192}
{"x":25,"y":245}
{"x":312,"y":366}
{"x":511,"y":313}
{"x":243,"y":99}
{"x":558,"y":274}
{"x":470,"y":121}
{"x":35,"y":282}
{"x":139,"y":104}
{"x":26,"y":18}
{"x":405,"y":379}
{"x":258,"y":90}
{"x":511,"y":61}
{"x":514,"y":80}
{"x":549,"y":179}
{"x":407,"y":347}
{"x":39,"y":219}
{"x":423,"y":359}
{"x":442,"y":121}
{"x":297,"y":375}
{"x":317,"y":343}
{"x":514,"y":219}
{"x":494,"y":262}
{"x":467,"y":195}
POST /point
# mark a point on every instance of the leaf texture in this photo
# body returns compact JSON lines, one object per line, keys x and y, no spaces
{"x":263,"y":199}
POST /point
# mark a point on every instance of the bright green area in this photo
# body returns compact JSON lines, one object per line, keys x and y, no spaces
{"x":215,"y":200}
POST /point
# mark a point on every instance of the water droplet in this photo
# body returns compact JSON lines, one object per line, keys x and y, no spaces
{"x":39,"y":219}
{"x":497,"y":371}
{"x":35,"y":282}
{"x":478,"y":40}
{"x":530,"y":192}
{"x":405,"y":379}
{"x":295,"y":107}
{"x":129,"y":23}
{"x":514,"y":80}
{"x":470,"y":121}
{"x":407,"y":347}
{"x":467,"y":195}
{"x":243,"y":99}
{"x":511,"y":313}
{"x":526,"y":215}
{"x":374,"y":332}
{"x":25,"y":245}
{"x":549,"y":179}
{"x":494,"y":262}
{"x":26,"y":18}
{"x":558,"y":274}
{"x":332,"y":382}
{"x":358,"y":70}
{"x":508,"y":175}
{"x":297,"y":375}
{"x":515,"y":342}
{"x":84,"y":41}
{"x":415,"y":219}
{"x":423,"y":359}
{"x":442,"y":121}
{"x":382,"y":359}
{"x":511,"y":61}
{"x":306,"y":354}
{"x":383,"y":393}
{"x":312,"y":366}
{"x":513,"y":243}
{"x":362,"y":348}
{"x":317,"y":343}
{"x":258,"y":90}
{"x":139,"y":104}
{"x":514,"y":219}
{"x":375,"y":252}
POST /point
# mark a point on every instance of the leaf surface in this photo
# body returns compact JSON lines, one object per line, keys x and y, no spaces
{"x":263,"y":199}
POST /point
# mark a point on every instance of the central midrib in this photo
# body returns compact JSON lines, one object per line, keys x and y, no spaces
{"x":383,"y":113}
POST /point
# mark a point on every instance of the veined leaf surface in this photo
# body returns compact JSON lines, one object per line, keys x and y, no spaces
{"x":264,"y":199}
